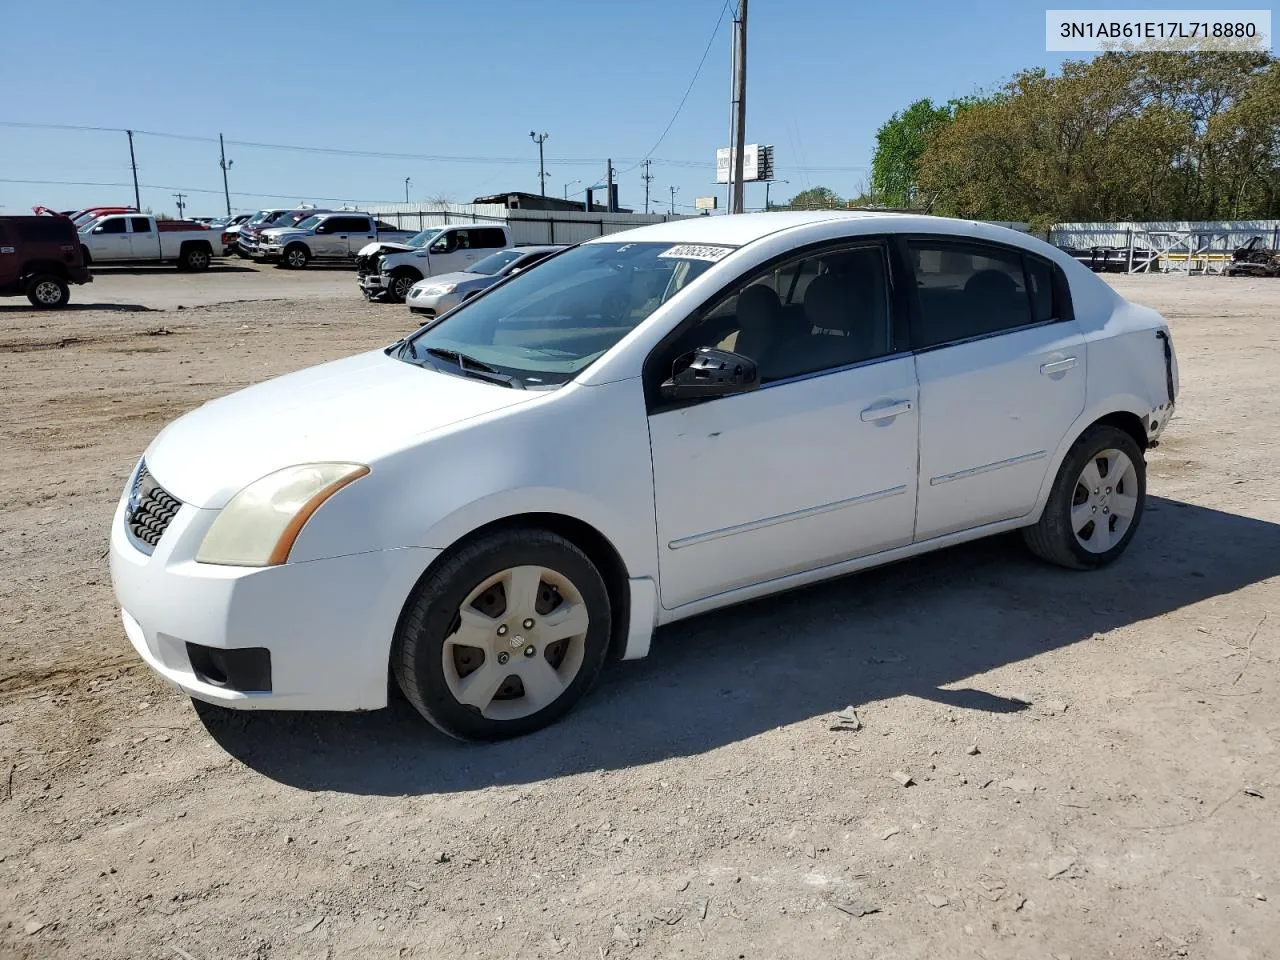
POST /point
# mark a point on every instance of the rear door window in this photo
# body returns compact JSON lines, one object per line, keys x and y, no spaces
{"x":140,"y":224}
{"x":488,"y":237}
{"x":966,"y":290}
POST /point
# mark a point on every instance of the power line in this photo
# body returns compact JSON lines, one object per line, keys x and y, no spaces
{"x":161,"y":186}
{"x":689,"y":89}
{"x":385,"y":155}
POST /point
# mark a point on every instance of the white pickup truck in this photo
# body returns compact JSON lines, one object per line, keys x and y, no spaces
{"x":135,"y":238}
{"x":386,"y":271}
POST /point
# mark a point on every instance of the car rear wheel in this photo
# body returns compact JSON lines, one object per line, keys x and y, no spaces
{"x":296,"y":257}
{"x":47,"y":292}
{"x":195,"y":258}
{"x":1096,"y":502}
{"x":503,"y":637}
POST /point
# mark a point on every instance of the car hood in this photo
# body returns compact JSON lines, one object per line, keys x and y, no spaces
{"x":353,"y":410}
{"x":281,"y":233}
{"x":461,"y":278}
{"x":384,"y":246}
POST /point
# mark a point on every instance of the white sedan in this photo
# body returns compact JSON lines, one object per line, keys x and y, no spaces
{"x":648,"y":426}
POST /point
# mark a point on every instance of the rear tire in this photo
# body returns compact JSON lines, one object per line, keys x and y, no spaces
{"x":195,"y":258}
{"x":532,"y":660}
{"x":47,"y":292}
{"x":1084,"y":525}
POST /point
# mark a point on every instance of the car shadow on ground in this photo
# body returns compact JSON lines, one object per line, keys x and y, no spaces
{"x":140,"y":270}
{"x":73,"y":307}
{"x":910,"y":628}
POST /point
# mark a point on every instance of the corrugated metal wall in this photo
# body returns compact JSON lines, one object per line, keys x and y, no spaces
{"x":1217,"y":235}
{"x":527,"y":226}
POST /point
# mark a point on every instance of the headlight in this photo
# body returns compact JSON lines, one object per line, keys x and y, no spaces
{"x":442,"y":289}
{"x":260,"y":524}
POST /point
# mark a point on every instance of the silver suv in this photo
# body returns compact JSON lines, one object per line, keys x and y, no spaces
{"x":326,"y":236}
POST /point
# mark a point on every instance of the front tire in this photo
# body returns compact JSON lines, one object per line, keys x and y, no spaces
{"x":504,"y":637}
{"x":47,"y":292}
{"x":295,"y":257}
{"x":1096,"y":502}
{"x":401,"y":283}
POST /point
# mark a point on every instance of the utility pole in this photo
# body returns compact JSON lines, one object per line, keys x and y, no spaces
{"x":567,"y":186}
{"x":767,"y":184}
{"x":674,"y":191}
{"x":225,"y":164}
{"x":181,"y":198}
{"x":738,"y":147}
{"x":540,"y":139}
{"x":648,"y":179}
{"x":407,"y":181}
{"x":609,"y":204}
{"x":133,"y":162}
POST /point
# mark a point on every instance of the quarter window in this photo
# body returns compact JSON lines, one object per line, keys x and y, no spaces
{"x":805,"y":316}
{"x":970,"y":290}
{"x":1040,"y":276}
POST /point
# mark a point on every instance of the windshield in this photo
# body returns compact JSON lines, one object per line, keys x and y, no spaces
{"x":425,"y":237}
{"x":307,"y":224}
{"x":546,"y":326}
{"x":262,"y":216}
{"x":495,"y":262}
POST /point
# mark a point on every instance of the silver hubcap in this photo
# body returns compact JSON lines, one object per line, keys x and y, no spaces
{"x":199,"y":259}
{"x":518,"y":642}
{"x":402,"y":287}
{"x":1104,"y":501}
{"x":48,"y":292}
{"x":297,"y":258}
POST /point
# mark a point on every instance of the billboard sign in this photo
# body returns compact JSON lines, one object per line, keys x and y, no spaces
{"x":757,"y":161}
{"x":706,"y":203}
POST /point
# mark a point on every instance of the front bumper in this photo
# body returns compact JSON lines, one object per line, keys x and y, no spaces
{"x":327,"y":625}
{"x":433,"y":305}
{"x":374,"y":284}
{"x":267,"y":251}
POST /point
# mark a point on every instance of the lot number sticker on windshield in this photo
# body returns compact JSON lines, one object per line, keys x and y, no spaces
{"x":696,"y":251}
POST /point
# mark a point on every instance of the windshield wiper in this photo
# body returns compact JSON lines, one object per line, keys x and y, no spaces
{"x":475,"y":368}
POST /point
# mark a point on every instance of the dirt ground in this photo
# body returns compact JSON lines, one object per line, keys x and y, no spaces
{"x":1095,"y":757}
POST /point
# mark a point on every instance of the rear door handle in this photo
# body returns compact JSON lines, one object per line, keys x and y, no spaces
{"x":886,"y":411}
{"x":1058,"y":366}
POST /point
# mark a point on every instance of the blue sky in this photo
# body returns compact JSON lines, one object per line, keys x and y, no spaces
{"x":471,"y":79}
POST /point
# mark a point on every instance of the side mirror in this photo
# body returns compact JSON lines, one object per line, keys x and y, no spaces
{"x":710,"y":372}
{"x":513,"y":271}
{"x":99,"y":229}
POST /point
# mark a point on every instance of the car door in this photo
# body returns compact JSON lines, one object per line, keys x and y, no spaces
{"x":1001,"y":366}
{"x":144,"y":242}
{"x":330,"y":239}
{"x":109,"y":240}
{"x":360,"y":231}
{"x":817,"y":465}
{"x":446,"y":254}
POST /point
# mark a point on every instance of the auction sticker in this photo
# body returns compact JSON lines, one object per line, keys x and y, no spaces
{"x":698,"y":251}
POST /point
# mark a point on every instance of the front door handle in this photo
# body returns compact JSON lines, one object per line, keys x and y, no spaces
{"x":886,"y":411}
{"x":1058,"y":366}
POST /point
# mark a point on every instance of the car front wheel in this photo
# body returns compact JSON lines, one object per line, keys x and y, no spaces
{"x":1096,"y":502}
{"x":504,"y":637}
{"x":296,"y":257}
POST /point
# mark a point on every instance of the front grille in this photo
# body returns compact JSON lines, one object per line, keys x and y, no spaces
{"x":149,"y":511}
{"x":367,"y":264}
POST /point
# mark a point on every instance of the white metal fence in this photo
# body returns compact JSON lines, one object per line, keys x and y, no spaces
{"x":527,"y":226}
{"x":1168,"y":245}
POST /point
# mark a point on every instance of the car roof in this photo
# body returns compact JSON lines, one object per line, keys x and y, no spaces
{"x":737,"y":230}
{"x":742,"y":229}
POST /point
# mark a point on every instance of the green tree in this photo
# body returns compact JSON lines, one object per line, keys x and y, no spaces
{"x":900,"y":142}
{"x":816,"y":198}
